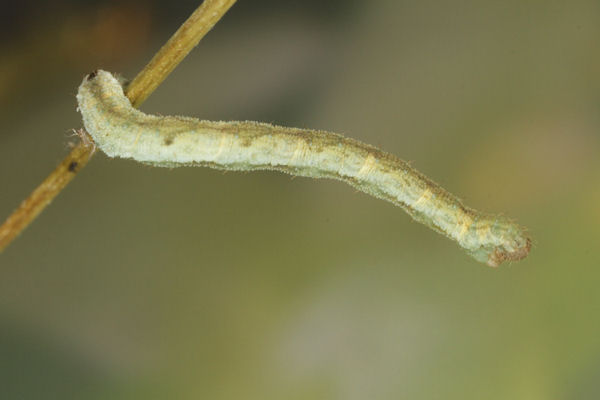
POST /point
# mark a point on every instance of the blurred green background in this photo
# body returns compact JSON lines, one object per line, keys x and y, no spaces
{"x":141,"y":283}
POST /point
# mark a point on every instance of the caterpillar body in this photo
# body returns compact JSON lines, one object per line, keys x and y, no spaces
{"x":120,"y":130}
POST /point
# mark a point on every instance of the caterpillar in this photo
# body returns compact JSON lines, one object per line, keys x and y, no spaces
{"x":120,"y":130}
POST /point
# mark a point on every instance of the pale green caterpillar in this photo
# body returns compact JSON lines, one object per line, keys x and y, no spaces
{"x":122,"y":131}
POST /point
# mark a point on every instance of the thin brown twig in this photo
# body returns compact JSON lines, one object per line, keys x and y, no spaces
{"x":33,"y":205}
{"x":168,"y":57}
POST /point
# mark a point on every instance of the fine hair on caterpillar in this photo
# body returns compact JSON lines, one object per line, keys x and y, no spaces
{"x":119,"y":130}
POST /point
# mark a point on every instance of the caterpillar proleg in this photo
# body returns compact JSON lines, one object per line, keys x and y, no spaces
{"x":120,"y":130}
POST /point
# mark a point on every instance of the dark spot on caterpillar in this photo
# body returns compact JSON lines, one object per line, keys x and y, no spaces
{"x":72,"y":166}
{"x":168,"y":141}
{"x":92,"y":75}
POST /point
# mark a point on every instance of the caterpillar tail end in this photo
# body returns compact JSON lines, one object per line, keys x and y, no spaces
{"x":514,"y":253}
{"x":503,"y":241}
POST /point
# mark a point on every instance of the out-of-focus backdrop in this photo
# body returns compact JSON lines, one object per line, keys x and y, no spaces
{"x":141,"y":282}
